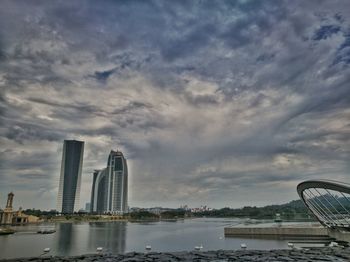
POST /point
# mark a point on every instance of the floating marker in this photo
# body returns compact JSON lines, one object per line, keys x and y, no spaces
{"x":243,"y":246}
{"x":148,"y":247}
{"x":46,"y":250}
{"x":198,"y":247}
{"x":99,"y":249}
{"x":333,"y":244}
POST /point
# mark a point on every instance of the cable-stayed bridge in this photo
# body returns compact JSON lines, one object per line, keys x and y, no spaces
{"x":329,"y":201}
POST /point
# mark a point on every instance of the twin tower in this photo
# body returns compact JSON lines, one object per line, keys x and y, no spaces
{"x":109,"y":192}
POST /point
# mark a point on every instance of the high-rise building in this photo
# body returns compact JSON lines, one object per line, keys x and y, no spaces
{"x":109,"y":192}
{"x":87,"y":207}
{"x":70,"y":179}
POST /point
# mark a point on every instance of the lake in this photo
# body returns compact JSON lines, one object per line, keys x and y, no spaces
{"x":119,"y":237}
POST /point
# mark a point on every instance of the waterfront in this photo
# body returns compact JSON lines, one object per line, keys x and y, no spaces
{"x":328,"y":254}
{"x":120,"y":237}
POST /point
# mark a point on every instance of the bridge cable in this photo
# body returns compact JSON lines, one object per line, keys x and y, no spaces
{"x":332,"y":206}
{"x":322,"y":204}
{"x":323,"y":217}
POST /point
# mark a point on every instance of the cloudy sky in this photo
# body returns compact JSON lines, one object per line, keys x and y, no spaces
{"x":224,"y":103}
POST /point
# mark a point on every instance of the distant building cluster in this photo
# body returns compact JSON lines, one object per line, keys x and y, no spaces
{"x":196,"y":209}
{"x":159,"y":210}
{"x":200,"y":209}
{"x":109,"y":193}
{"x":185,"y":207}
{"x":154,"y":210}
{"x":10,"y":217}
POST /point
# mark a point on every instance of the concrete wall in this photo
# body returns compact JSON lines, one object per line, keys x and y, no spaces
{"x":276,"y":231}
{"x":339,"y":235}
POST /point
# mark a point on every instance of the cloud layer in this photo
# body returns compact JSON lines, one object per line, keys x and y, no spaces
{"x":225,"y":103}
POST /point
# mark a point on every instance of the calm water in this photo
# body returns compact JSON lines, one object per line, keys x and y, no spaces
{"x":120,"y":237}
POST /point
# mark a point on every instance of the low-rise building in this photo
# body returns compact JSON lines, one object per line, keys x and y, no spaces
{"x":10,"y":217}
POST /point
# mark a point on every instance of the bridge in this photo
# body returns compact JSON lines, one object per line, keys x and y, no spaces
{"x":329,"y":201}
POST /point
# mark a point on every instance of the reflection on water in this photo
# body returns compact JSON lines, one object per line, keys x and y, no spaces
{"x":88,"y":236}
{"x":120,"y":237}
{"x":110,"y":236}
{"x":65,"y":237}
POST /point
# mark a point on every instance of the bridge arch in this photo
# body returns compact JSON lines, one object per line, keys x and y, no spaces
{"x":328,"y":200}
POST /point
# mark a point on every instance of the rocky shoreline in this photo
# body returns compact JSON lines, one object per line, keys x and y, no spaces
{"x":311,"y":254}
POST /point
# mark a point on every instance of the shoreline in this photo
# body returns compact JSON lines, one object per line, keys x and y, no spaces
{"x":111,"y":219}
{"x":309,"y":254}
{"x":22,"y":227}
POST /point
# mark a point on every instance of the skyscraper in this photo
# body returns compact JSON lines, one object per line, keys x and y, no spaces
{"x":70,"y":179}
{"x":109,"y":192}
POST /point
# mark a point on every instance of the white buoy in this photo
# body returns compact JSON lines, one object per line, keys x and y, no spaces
{"x":198,"y":247}
{"x":99,"y":249}
{"x":291,"y":245}
{"x":333,"y":244}
{"x":220,"y":237}
{"x":148,"y":247}
{"x":46,"y":250}
{"x":243,"y":246}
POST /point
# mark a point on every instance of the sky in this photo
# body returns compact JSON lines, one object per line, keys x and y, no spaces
{"x":218,"y":103}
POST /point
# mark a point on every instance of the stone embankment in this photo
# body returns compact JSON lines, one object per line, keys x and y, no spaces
{"x":312,"y":254}
{"x":277,"y":231}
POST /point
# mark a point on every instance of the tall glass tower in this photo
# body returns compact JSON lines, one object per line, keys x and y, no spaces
{"x":110,"y":186}
{"x":70,"y":179}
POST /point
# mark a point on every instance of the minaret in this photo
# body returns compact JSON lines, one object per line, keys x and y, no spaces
{"x":7,"y":215}
{"x":9,"y":200}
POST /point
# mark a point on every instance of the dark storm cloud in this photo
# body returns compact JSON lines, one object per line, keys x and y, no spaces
{"x":78,"y":106}
{"x":103,"y":75}
{"x":203,"y":96}
{"x":326,"y":31}
{"x":124,"y":62}
{"x":343,"y":53}
{"x":190,"y":43}
{"x":24,"y":131}
{"x":132,"y":106}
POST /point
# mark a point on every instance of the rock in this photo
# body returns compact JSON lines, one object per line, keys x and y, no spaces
{"x":312,"y":254}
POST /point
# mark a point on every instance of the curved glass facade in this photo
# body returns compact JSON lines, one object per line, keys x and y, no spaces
{"x":110,"y":186}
